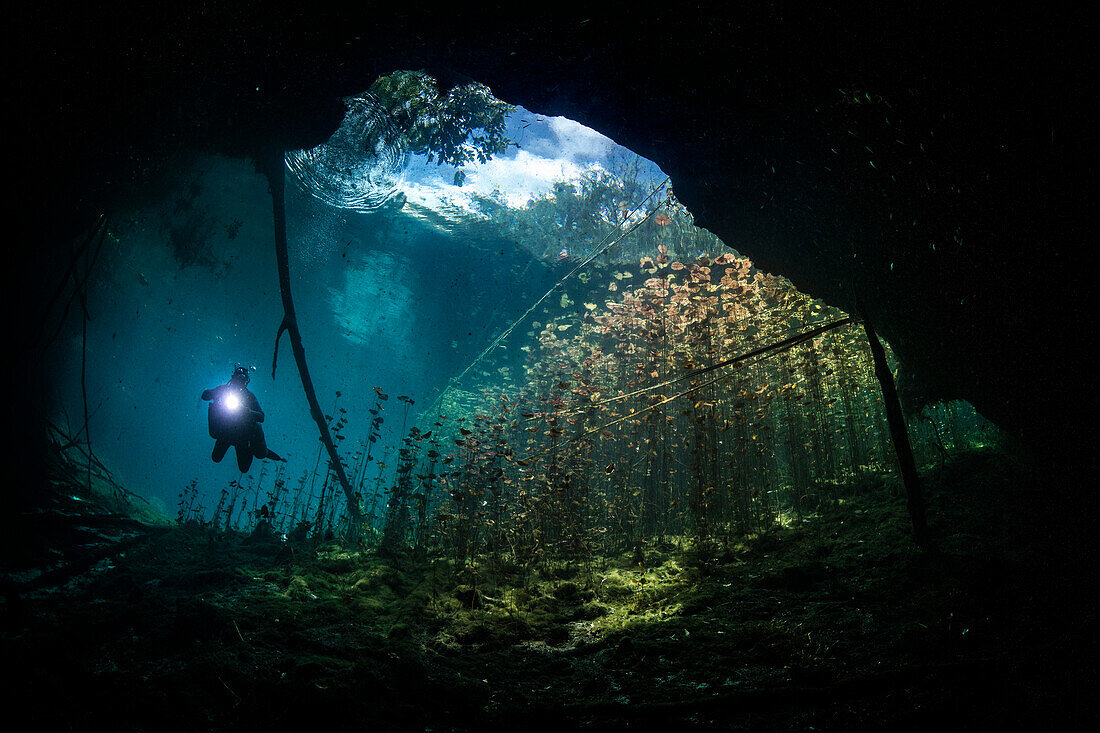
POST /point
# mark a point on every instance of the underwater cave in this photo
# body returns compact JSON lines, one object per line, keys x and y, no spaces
{"x":640,"y":368}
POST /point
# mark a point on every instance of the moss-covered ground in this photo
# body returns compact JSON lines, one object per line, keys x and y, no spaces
{"x":837,"y":622}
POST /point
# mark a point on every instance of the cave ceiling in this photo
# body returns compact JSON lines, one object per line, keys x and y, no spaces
{"x":921,"y":163}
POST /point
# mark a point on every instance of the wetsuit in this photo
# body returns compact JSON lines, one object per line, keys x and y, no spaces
{"x":238,"y":427}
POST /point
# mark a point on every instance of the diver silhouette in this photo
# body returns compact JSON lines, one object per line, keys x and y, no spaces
{"x":234,"y":419}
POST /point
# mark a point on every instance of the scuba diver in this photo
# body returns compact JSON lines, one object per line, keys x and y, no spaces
{"x":234,"y":420}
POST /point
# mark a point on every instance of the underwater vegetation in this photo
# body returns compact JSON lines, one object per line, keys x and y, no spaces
{"x":683,"y":396}
{"x":835,"y":622}
{"x":666,"y":494}
{"x":556,"y":457}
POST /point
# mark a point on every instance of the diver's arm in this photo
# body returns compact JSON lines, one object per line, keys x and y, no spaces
{"x":208,"y":394}
{"x":254,"y":408}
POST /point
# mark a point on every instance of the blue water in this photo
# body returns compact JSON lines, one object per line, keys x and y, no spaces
{"x":399,"y":298}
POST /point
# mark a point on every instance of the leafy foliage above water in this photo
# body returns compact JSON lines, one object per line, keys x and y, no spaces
{"x":461,"y":125}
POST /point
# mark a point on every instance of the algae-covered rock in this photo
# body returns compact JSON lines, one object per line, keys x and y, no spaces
{"x":489,"y":627}
{"x":557,"y":634}
{"x":591,"y":611}
{"x":567,"y":592}
{"x":468,"y":596}
{"x":559,"y":572}
{"x":400,"y":631}
{"x":379,"y":579}
{"x":419,"y":598}
{"x":263,"y":535}
{"x":337,"y":563}
{"x":614,"y":587}
{"x":364,"y":585}
{"x":298,"y":589}
{"x":476,"y":631}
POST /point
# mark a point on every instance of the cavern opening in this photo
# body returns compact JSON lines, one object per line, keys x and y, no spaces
{"x":566,"y":352}
{"x":538,"y":450}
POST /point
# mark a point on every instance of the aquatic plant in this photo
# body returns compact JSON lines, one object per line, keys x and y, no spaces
{"x":626,"y":433}
{"x":185,"y":504}
{"x":668,"y":392}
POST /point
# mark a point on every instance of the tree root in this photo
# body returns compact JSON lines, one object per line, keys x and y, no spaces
{"x":273,"y":167}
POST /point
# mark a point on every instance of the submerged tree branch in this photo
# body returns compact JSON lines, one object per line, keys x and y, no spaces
{"x":900,"y":433}
{"x":273,"y":168}
{"x":275,"y":355}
